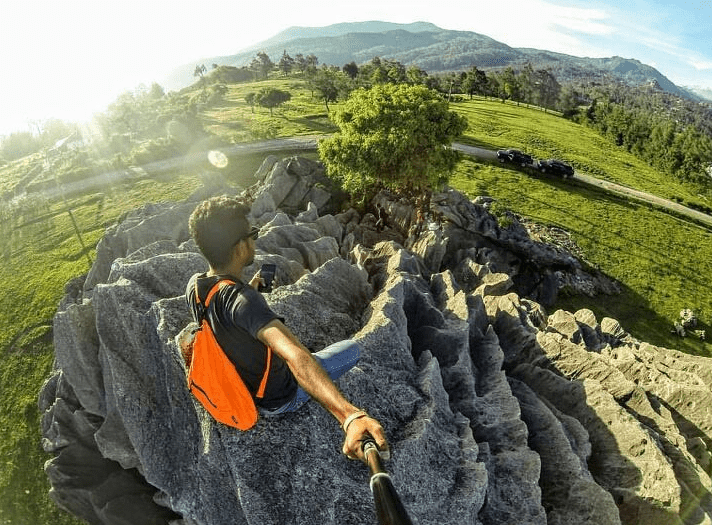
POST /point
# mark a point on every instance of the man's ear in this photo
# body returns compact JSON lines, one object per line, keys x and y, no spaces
{"x":239,"y":251}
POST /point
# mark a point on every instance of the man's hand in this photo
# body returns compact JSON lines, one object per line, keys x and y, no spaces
{"x":257,"y":280}
{"x":357,"y":431}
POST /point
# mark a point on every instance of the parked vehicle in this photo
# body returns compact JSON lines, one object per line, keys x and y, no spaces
{"x":556,"y":167}
{"x":515,"y":156}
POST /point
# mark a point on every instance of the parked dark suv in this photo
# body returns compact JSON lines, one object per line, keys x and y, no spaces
{"x":515,"y":156}
{"x":556,"y":167}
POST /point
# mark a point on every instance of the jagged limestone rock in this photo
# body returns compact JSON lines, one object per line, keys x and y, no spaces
{"x":496,"y":413}
{"x":494,"y":284}
{"x":569,"y":492}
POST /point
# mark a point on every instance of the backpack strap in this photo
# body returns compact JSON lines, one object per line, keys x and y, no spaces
{"x":202,"y":308}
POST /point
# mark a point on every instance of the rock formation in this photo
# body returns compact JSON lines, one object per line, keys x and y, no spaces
{"x":497,"y":413}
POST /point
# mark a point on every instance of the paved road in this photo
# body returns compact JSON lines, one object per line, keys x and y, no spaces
{"x":309,"y":143}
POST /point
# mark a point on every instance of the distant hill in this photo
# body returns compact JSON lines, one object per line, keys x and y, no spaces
{"x":705,"y":93}
{"x":431,"y":48}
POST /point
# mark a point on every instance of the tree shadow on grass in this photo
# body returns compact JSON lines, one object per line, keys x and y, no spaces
{"x":318,"y":123}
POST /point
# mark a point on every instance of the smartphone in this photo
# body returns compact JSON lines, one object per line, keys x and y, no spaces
{"x":267,"y":274}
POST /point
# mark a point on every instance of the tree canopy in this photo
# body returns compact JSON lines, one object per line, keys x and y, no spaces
{"x":395,"y":137}
{"x":271,"y":98}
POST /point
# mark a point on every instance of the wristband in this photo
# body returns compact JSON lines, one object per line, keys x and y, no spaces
{"x":353,"y":417}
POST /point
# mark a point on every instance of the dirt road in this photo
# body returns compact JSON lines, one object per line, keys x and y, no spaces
{"x":611,"y":187}
{"x":644,"y":197}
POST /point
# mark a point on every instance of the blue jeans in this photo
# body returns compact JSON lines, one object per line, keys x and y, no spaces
{"x":337,"y":359}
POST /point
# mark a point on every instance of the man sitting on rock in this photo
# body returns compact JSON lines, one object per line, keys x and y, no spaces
{"x":245,"y":327}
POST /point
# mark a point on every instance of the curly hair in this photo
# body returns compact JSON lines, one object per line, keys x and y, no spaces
{"x":217,"y":225}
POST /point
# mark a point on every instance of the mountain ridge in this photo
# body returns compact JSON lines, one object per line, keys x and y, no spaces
{"x":433,"y":49}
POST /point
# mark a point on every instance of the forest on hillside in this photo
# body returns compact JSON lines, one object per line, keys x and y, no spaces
{"x":669,"y":132}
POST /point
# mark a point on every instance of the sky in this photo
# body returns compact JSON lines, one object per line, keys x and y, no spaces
{"x":69,"y":59}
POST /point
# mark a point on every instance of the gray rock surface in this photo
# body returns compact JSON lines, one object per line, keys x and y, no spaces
{"x":496,"y":412}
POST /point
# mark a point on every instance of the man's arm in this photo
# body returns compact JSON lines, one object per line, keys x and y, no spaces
{"x":314,"y":380}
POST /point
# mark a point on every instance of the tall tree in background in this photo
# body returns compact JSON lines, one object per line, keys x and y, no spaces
{"x":250,"y":99}
{"x":351,"y":70}
{"x":392,"y":136}
{"x":567,"y":102}
{"x":546,"y":89}
{"x":311,"y":62}
{"x":475,"y":82}
{"x":327,"y":84}
{"x":300,"y":63}
{"x":200,"y":72}
{"x":261,"y":65}
{"x":415,"y":75}
{"x":509,"y":85}
{"x":286,"y":63}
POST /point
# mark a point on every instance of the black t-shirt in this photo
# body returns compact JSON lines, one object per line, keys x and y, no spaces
{"x":236,"y":313}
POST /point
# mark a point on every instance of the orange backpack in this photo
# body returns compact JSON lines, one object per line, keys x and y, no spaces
{"x":212,"y":377}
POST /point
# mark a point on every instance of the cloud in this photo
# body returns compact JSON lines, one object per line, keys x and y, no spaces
{"x":700,"y":64}
{"x":679,"y":53}
{"x":580,"y":20}
{"x":533,"y":23}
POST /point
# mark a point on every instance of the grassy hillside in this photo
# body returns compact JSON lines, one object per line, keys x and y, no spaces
{"x":497,"y":125}
{"x":235,"y":121}
{"x":664,"y":263}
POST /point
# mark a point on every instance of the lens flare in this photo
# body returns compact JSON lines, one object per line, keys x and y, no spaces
{"x":217,"y":158}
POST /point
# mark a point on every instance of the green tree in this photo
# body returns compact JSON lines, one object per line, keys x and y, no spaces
{"x":286,"y":63}
{"x":157,"y":92}
{"x":415,"y":75}
{"x":475,"y":82}
{"x":567,"y":102}
{"x":261,"y":65}
{"x":271,"y":98}
{"x":311,"y":61}
{"x":351,"y":70}
{"x":250,"y":99}
{"x":327,"y":83}
{"x":300,"y":63}
{"x":392,"y":136}
{"x":395,"y":71}
{"x":546,"y":88}
{"x":18,"y":144}
{"x":199,"y":71}
{"x":509,"y":85}
{"x":377,"y":72}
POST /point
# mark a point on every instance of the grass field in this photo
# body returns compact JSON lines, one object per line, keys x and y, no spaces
{"x":235,"y":121}
{"x":663,"y":262}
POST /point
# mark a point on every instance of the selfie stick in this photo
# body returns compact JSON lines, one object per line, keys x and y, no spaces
{"x":389,"y":509}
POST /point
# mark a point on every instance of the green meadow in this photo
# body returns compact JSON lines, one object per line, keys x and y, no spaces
{"x":663,"y":263}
